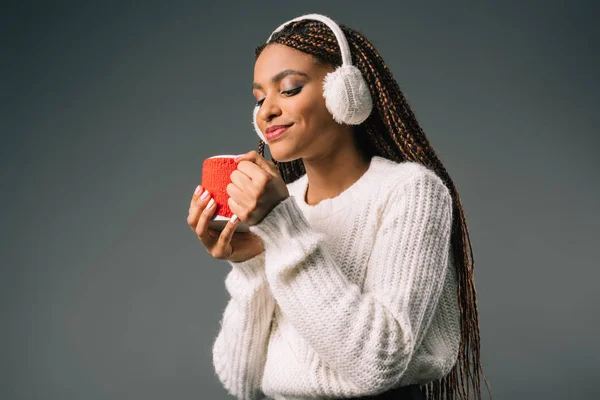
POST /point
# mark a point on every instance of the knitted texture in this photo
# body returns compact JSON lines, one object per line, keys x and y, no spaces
{"x":347,"y":95}
{"x":351,"y":297}
{"x":216,"y":174}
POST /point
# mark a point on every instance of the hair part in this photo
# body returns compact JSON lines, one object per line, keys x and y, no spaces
{"x":392,"y":132}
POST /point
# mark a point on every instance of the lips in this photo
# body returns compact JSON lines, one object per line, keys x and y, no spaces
{"x":274,"y":132}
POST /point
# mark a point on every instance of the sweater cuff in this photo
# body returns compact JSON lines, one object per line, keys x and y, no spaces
{"x":246,"y":277}
{"x":250,"y":268}
{"x":285,"y":221}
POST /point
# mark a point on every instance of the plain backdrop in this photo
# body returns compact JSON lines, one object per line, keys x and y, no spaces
{"x":109,"y":108}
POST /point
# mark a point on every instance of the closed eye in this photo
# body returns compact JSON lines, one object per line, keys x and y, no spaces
{"x":290,"y":92}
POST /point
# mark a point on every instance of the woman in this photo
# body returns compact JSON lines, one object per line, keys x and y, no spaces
{"x":354,"y":280}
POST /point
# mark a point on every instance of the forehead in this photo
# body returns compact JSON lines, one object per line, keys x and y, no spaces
{"x":277,"y":57}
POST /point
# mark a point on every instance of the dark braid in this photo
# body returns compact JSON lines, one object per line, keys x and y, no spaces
{"x":392,"y":132}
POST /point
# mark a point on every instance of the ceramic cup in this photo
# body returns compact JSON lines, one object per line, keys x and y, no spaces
{"x":216,"y":172}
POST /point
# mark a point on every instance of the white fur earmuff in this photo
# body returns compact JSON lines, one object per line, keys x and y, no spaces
{"x":256,"y":128}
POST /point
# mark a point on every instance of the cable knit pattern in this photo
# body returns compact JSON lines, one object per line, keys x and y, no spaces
{"x":352,"y":296}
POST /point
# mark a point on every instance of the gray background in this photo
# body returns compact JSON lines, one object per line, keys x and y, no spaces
{"x":108,"y":110}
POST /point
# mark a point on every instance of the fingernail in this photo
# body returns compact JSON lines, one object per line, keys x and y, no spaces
{"x":204,"y":195}
{"x":197,"y":189}
{"x":233,"y":219}
{"x":210,"y":203}
{"x":238,"y":156}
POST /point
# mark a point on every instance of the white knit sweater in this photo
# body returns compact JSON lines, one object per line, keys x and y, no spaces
{"x":352,"y":296}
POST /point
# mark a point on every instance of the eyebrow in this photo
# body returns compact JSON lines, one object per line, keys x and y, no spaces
{"x":280,"y":76}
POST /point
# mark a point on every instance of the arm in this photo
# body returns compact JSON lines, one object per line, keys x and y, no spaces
{"x":368,"y":337}
{"x":239,"y":351}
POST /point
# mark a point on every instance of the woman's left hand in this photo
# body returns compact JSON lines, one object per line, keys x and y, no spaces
{"x":256,"y":188}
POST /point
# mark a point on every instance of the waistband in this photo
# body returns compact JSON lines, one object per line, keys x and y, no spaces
{"x":410,"y":392}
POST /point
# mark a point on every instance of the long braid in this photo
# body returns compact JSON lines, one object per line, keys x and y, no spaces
{"x":392,"y":132}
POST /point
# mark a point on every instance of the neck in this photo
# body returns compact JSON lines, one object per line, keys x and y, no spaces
{"x":330,"y":175}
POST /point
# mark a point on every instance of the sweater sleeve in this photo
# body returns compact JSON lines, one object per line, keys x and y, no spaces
{"x":239,"y":351}
{"x":368,"y":337}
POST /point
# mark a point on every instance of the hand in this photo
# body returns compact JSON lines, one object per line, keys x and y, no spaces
{"x":224,"y":245}
{"x":256,"y":188}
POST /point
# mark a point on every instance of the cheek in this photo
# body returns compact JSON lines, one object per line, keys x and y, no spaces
{"x":311,"y":110}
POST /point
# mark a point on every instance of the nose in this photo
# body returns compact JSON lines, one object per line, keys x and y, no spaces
{"x":268,"y":110}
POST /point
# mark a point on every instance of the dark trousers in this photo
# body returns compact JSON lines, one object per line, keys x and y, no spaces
{"x":410,"y":392}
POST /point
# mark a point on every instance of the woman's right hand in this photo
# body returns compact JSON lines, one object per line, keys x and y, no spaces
{"x":224,"y":245}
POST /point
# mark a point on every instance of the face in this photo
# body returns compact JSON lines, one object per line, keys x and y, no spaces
{"x":288,"y":87}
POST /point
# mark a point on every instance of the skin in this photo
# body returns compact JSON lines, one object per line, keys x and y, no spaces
{"x":327,"y":148}
{"x":331,"y":159}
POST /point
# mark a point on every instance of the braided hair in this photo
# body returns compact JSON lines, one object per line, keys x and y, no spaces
{"x":392,"y":132}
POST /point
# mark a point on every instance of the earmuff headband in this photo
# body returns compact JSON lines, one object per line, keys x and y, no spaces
{"x":337,"y":31}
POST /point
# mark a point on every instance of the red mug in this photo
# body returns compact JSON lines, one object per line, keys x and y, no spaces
{"x":216,"y":172}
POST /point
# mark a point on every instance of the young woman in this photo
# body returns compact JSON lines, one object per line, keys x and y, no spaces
{"x":355,"y":279}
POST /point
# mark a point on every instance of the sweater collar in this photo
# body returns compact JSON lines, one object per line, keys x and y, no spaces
{"x":327,"y":207}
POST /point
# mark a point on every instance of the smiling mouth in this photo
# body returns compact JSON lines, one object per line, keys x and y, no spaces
{"x":276,"y":133}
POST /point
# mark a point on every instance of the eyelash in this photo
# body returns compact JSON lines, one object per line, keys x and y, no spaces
{"x":290,"y":92}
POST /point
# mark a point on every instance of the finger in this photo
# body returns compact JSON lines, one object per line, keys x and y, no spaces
{"x":197,"y":205}
{"x":203,"y":219}
{"x":240,"y":178}
{"x":253,"y":171}
{"x":235,"y":208}
{"x":259,"y":160}
{"x":240,"y":197}
{"x":197,"y":193}
{"x":224,"y":240}
{"x":243,"y":183}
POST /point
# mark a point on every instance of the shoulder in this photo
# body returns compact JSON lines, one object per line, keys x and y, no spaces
{"x":412,"y":179}
{"x":408,"y":173}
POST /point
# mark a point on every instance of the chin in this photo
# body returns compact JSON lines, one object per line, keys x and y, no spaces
{"x":281,"y":156}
